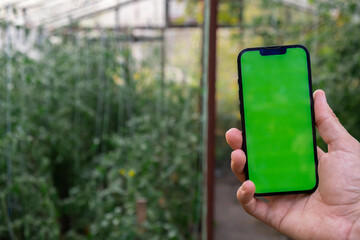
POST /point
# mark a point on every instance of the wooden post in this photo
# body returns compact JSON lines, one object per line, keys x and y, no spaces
{"x":140,"y":213}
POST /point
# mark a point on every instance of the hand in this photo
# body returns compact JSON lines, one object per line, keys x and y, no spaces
{"x":333,"y":210}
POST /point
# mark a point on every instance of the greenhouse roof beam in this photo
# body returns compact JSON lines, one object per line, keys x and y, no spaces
{"x":142,"y":27}
{"x":299,"y":4}
{"x":58,"y":13}
{"x":86,"y":12}
{"x":40,"y":10}
{"x":67,"y":8}
{"x":9,"y":3}
{"x":29,"y":4}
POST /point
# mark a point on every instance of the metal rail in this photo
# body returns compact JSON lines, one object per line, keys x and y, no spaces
{"x":209,"y":109}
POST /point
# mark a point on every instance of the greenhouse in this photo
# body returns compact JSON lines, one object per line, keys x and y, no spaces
{"x":114,"y":112}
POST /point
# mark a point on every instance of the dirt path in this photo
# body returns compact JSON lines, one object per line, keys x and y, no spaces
{"x":231,"y":221}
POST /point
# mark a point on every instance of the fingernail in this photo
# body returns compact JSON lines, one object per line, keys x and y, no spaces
{"x":322,"y":92}
{"x":229,"y":130}
{"x":227,"y":133}
{"x":324,"y":96}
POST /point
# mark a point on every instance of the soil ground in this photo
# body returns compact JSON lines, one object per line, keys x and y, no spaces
{"x":231,"y":221}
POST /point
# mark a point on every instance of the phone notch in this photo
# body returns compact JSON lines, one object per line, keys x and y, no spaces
{"x":272,"y":51}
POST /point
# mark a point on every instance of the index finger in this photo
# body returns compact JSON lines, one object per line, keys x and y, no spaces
{"x":234,"y":138}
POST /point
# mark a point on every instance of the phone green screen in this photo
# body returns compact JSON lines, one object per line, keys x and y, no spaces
{"x":277,"y":119}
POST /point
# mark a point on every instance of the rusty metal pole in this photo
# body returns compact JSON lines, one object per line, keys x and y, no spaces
{"x":141,"y":215}
{"x":209,"y":108}
{"x":211,"y":118}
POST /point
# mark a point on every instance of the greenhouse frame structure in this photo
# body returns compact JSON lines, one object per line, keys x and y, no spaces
{"x":46,"y":17}
{"x":55,"y":15}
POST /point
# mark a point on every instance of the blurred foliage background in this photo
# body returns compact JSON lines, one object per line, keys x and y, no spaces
{"x":329,"y":29}
{"x":88,"y":130}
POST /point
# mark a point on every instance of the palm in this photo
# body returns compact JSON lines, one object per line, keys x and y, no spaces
{"x":324,"y":211}
{"x":332,"y":210}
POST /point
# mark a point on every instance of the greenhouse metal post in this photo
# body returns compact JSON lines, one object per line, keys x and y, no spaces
{"x":209,"y":108}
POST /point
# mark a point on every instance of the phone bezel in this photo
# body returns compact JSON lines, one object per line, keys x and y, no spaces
{"x":312,"y":114}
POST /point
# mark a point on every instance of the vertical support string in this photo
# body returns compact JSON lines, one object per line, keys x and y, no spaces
{"x":100,"y":97}
{"x":23,"y":87}
{"x":120,"y":115}
{"x":107,"y":94}
{"x":76,"y":98}
{"x":8,"y":101}
{"x":8,"y":119}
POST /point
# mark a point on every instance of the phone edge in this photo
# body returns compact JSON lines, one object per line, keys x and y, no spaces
{"x":243,"y":130}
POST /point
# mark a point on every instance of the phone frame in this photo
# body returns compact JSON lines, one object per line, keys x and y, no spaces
{"x":274,"y":50}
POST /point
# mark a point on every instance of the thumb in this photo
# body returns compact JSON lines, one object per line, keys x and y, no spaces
{"x":328,"y":125}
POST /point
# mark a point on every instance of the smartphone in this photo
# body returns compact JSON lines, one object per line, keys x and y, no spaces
{"x":277,"y":117}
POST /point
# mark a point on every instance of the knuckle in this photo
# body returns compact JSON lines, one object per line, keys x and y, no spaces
{"x":334,"y":116}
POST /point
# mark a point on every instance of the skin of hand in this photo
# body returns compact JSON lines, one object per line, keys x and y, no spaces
{"x":333,"y":210}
